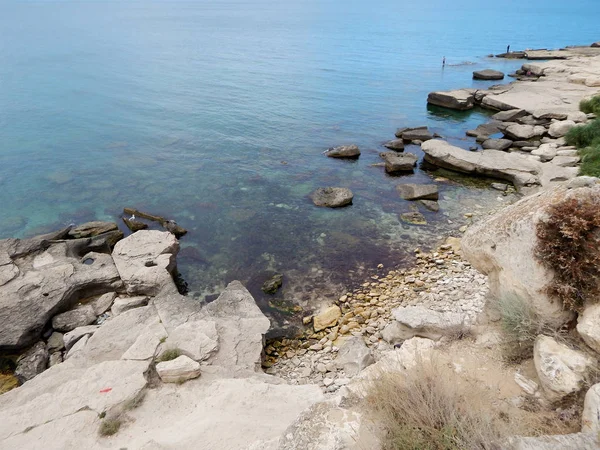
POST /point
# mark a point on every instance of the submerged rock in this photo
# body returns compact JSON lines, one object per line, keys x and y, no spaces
{"x":332,"y":197}
{"x":488,"y":74}
{"x":396,"y":144}
{"x":272,"y":285}
{"x":410,"y":191}
{"x":343,"y":151}
{"x":413,"y":218}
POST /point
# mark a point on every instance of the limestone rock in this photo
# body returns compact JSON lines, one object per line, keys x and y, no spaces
{"x":396,"y":144}
{"x":497,"y":144}
{"x":509,"y":116}
{"x":461,"y":99}
{"x":426,"y":323}
{"x":332,"y":197}
{"x":55,"y":342}
{"x":517,"y":132}
{"x":146,"y":260}
{"x":417,"y":134}
{"x":78,"y":317}
{"x":72,"y":337}
{"x":546,"y":152}
{"x":490,"y":245}
{"x":344,"y":151}
{"x":411,"y":191}
{"x":327,"y":318}
{"x":90,"y":229}
{"x":78,"y":346}
{"x":32,"y":363}
{"x":399,"y":162}
{"x":566,"y":161}
{"x":413,"y":218}
{"x":534,"y":69}
{"x":354,"y":356}
{"x":51,"y":278}
{"x":197,"y":340}
{"x":121,"y":305}
{"x":144,"y":347}
{"x":561,"y":370}
{"x":103,"y":303}
{"x":414,"y":351}
{"x":431,"y":205}
{"x":178,"y":370}
{"x":590,"y":417}
{"x":575,"y":441}
{"x":577,"y":116}
{"x":549,"y":113}
{"x":55,"y":358}
{"x":560,"y":128}
{"x":588,"y":326}
{"x":488,"y":74}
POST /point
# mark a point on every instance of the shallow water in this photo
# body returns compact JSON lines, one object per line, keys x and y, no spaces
{"x":216,"y":114}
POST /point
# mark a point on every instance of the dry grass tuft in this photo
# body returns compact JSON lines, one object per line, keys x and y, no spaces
{"x":569,"y":244}
{"x":108,"y":427}
{"x":170,"y":354}
{"x":432,"y":408}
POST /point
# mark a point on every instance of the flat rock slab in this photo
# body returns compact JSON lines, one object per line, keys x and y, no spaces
{"x":399,"y":162}
{"x":78,"y":317}
{"x":396,"y":144}
{"x":178,"y":370}
{"x":488,"y":74}
{"x":121,"y":305}
{"x":327,"y":318}
{"x":90,"y":229}
{"x":411,"y":191}
{"x":344,"y":151}
{"x":419,"y":134}
{"x":426,"y":323}
{"x":197,"y":339}
{"x":509,"y":116}
{"x":461,"y":99}
{"x":497,"y":144}
{"x":332,"y":197}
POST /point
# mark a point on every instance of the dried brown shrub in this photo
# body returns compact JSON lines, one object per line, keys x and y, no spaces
{"x":569,"y":244}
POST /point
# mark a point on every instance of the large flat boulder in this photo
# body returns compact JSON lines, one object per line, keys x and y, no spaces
{"x":488,"y":74}
{"x":503,"y":247}
{"x":399,"y":162}
{"x":461,"y":99}
{"x":48,"y":279}
{"x":146,"y":261}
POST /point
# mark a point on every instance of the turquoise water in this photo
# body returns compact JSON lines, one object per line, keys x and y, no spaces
{"x":216,"y":114}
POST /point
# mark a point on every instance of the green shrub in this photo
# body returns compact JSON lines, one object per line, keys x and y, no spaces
{"x":520,"y":326}
{"x":569,"y":245}
{"x":170,"y":354}
{"x":584,"y":135}
{"x":591,"y":105}
{"x":108,"y":427}
{"x":590,"y":159}
{"x":431,"y":408}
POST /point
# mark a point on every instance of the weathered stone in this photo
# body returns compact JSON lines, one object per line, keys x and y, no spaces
{"x":413,"y":218}
{"x":144,"y":347}
{"x":546,"y":152}
{"x":493,"y":244}
{"x":401,"y":131}
{"x":461,"y":99}
{"x":77,"y":347}
{"x":588,"y":326}
{"x":396,"y":144}
{"x":354,"y":356}
{"x":560,"y":128}
{"x":78,"y":317}
{"x":485,"y":130}
{"x":488,"y":74}
{"x":344,"y":151}
{"x":509,"y":116}
{"x":500,"y":186}
{"x":72,"y":337}
{"x":327,"y":318}
{"x":549,"y":114}
{"x":332,"y":197}
{"x":517,"y":132}
{"x":426,"y":323}
{"x":32,"y":363}
{"x":399,"y":162}
{"x":55,"y":342}
{"x":55,"y":358}
{"x":590,"y":417}
{"x":575,"y":441}
{"x":121,"y":305}
{"x":146,"y":261}
{"x":410,"y":191}
{"x":566,"y":161}
{"x":577,"y":116}
{"x":90,"y":229}
{"x":533,"y":69}
{"x":560,"y":369}
{"x":431,"y":205}
{"x":497,"y":144}
{"x":417,"y":134}
{"x":178,"y":370}
{"x":103,"y":303}
{"x":197,"y":340}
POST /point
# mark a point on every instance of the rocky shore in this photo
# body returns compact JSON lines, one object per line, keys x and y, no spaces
{"x":112,"y":355}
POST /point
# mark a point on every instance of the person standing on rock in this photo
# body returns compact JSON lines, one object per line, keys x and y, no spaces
{"x":508,"y":49}
{"x":444,"y":61}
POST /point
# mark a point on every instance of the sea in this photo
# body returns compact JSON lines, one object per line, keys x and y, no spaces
{"x":216,"y":114}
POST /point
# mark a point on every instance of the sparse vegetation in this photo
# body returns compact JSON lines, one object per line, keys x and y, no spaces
{"x":520,"y":326}
{"x":569,"y":244}
{"x":7,"y":382}
{"x":108,"y":427}
{"x":169,"y":354}
{"x":587,"y":139}
{"x":135,"y":402}
{"x":432,"y":408}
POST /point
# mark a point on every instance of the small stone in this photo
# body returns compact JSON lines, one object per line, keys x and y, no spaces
{"x":321,"y":368}
{"x":328,"y":381}
{"x":178,"y":370}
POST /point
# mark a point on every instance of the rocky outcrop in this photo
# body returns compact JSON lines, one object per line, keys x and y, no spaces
{"x":461,"y":99}
{"x":332,"y":197}
{"x":410,"y":191}
{"x":488,"y":74}
{"x":42,"y":277}
{"x":344,"y":151}
{"x":503,"y":247}
{"x":146,"y":261}
{"x":560,"y":369}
